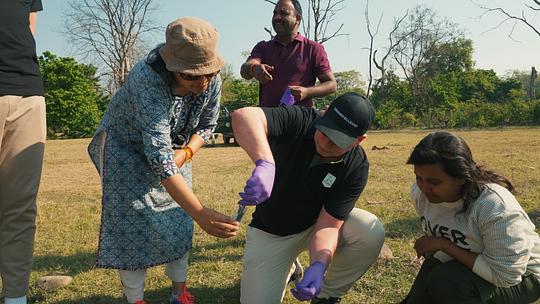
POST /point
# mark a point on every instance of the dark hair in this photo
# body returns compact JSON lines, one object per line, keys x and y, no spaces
{"x":297,"y":7}
{"x":455,"y":158}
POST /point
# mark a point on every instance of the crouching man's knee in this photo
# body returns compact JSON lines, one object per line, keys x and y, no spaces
{"x":363,"y":230}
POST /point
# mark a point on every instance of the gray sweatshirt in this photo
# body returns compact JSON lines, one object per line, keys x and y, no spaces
{"x":495,"y":226}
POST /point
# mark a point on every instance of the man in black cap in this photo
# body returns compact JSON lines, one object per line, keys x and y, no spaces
{"x":310,"y":171}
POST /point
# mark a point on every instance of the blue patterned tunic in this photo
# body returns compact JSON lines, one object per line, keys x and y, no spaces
{"x":141,"y":225}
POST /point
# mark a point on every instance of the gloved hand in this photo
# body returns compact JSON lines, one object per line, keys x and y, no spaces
{"x":259,"y":186}
{"x":287,"y":99}
{"x":312,"y":282}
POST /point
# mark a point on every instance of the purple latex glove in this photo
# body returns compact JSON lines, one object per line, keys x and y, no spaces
{"x":287,"y":99}
{"x":259,"y":186}
{"x":312,"y":282}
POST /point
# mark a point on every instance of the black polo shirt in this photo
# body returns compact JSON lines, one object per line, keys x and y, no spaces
{"x":19,"y":69}
{"x":303,"y":184}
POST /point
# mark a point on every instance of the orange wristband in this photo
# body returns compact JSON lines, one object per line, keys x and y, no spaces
{"x":189,"y":153}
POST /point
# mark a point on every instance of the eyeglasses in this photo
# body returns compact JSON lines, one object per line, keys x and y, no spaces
{"x":197,"y":77}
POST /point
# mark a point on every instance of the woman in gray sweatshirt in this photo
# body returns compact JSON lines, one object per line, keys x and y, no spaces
{"x":480,"y":246}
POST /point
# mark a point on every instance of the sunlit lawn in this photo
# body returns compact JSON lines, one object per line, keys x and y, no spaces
{"x":69,"y":217}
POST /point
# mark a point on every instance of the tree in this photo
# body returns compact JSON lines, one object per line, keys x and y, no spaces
{"x":523,"y":19}
{"x":349,"y":81}
{"x":75,"y":102}
{"x":391,"y":89}
{"x":319,"y":17}
{"x":420,"y":36}
{"x":372,"y":58}
{"x":528,"y":80}
{"x":239,"y":93}
{"x":111,"y":32}
{"x":486,"y":86}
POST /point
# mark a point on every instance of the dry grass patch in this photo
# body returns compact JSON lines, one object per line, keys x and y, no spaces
{"x":69,"y":215}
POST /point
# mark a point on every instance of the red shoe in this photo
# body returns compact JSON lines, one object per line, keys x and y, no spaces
{"x":141,"y":302}
{"x":184,"y":298}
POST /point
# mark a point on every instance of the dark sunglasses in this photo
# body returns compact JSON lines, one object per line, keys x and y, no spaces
{"x":197,"y":77}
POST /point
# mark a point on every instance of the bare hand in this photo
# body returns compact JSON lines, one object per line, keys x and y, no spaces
{"x":217,"y":224}
{"x":299,"y":93}
{"x":180,"y":157}
{"x":262,"y":71}
{"x":428,"y":245}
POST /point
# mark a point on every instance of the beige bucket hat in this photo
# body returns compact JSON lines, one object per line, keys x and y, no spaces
{"x":191,"y":47}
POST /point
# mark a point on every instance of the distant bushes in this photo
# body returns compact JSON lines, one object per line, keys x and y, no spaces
{"x":473,"y":114}
{"x":470,"y":98}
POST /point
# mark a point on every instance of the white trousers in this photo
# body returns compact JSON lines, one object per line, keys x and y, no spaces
{"x":133,"y":281}
{"x":268,"y":259}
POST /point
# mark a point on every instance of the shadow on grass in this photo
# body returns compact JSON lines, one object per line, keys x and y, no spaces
{"x":235,"y":242}
{"x":85,"y":261}
{"x":210,"y":295}
{"x":95,"y":300}
{"x":535,"y":217}
{"x":403,"y":227}
{"x":69,"y":265}
{"x":213,"y":251}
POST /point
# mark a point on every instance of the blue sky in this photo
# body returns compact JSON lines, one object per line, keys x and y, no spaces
{"x":241,"y":25}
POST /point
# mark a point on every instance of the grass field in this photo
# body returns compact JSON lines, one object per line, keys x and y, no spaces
{"x":69,"y":217}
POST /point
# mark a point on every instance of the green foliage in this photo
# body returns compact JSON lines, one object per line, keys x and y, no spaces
{"x":74,"y":99}
{"x":391,"y":116}
{"x":391,"y":88}
{"x":484,"y":114}
{"x":447,"y":57}
{"x":485,"y":85}
{"x":478,"y":85}
{"x":239,"y":93}
{"x":509,"y":89}
{"x":535,"y":106}
{"x":447,"y":91}
{"x":525,"y":78}
{"x":347,"y":81}
{"x":445,"y":88}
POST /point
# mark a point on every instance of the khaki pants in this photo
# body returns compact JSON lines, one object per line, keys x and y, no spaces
{"x":22,"y":144}
{"x":268,"y":259}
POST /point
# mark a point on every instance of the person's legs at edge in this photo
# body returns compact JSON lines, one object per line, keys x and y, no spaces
{"x":360,"y":242}
{"x":22,"y":145}
{"x":267,"y":263}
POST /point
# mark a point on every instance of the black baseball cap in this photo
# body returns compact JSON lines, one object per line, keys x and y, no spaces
{"x":348,"y":117}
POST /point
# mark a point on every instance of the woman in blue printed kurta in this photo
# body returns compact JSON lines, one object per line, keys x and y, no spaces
{"x":164,"y":112}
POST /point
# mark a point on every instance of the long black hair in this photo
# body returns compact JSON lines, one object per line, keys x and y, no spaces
{"x":456,"y":160}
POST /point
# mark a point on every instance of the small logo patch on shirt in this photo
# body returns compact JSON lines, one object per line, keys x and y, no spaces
{"x":328,"y":180}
